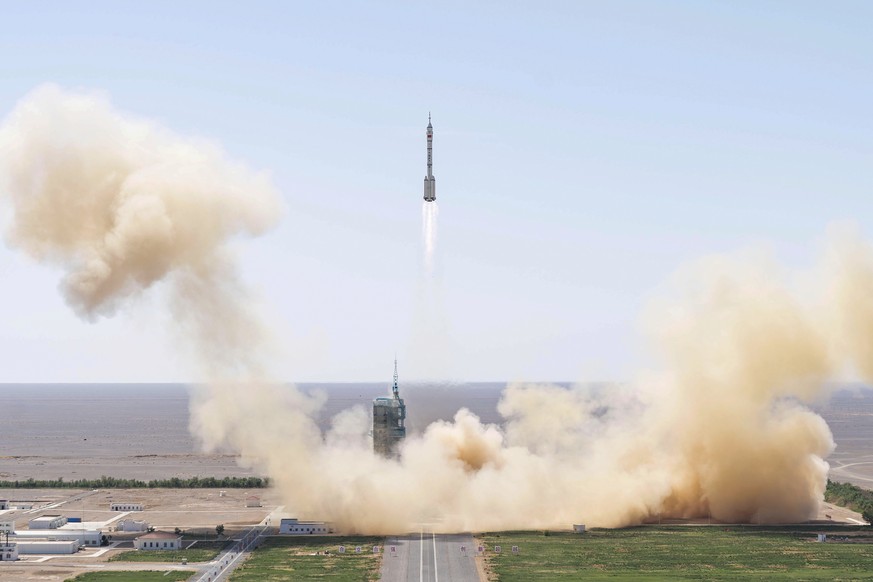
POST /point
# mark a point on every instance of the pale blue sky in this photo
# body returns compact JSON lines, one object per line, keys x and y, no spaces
{"x":583,"y":152}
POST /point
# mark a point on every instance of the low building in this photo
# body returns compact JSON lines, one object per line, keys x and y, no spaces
{"x":85,"y":537}
{"x":132,"y":525}
{"x":8,"y":551}
{"x":7,"y":525}
{"x":47,"y":522}
{"x":294,"y":526}
{"x":253,"y":501}
{"x":42,"y":547}
{"x":125,"y":506}
{"x":158,"y":540}
{"x":4,"y":504}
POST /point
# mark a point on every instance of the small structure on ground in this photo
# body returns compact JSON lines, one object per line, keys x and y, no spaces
{"x":579,"y":528}
{"x":253,"y":501}
{"x":294,"y":526}
{"x":62,"y":547}
{"x":132,"y":525}
{"x":125,"y":506}
{"x":47,"y":522}
{"x":85,"y":537}
{"x":8,"y":551}
{"x":158,"y":540}
{"x":4,"y":504}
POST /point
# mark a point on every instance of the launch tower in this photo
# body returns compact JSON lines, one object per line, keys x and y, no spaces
{"x":429,"y":180}
{"x":389,"y":417}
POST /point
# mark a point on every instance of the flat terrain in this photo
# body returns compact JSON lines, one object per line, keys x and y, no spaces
{"x":312,"y":558}
{"x":193,"y":554}
{"x":193,"y":510}
{"x":133,"y":576}
{"x":682,"y":552}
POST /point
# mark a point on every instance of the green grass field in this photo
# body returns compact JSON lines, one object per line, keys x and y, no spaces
{"x":150,"y":576}
{"x":192,"y":555}
{"x":682,"y":552}
{"x":293,"y":558}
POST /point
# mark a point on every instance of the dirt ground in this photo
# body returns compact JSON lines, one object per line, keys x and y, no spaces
{"x":141,"y":466}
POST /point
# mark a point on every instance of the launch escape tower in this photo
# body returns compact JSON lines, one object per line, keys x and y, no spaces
{"x":389,"y":417}
{"x":429,"y":180}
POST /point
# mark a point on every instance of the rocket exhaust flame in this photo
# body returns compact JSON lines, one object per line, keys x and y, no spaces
{"x":429,"y":215}
{"x":121,"y":204}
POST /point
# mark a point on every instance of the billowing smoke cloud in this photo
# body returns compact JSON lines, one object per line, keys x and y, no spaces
{"x":121,"y":204}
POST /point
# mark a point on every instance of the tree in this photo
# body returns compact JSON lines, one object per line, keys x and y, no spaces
{"x":219,"y":529}
{"x":867,"y":515}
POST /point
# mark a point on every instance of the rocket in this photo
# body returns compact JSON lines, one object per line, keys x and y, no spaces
{"x":429,"y":180}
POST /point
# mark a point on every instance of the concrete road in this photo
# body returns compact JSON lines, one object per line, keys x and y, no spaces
{"x":429,"y":557}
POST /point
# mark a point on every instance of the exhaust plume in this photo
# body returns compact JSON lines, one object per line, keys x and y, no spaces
{"x":121,"y":204}
{"x":429,"y":214}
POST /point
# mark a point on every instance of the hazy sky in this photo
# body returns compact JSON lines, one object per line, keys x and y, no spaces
{"x":583,"y":152}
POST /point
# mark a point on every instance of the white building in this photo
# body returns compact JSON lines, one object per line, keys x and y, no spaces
{"x":7,"y":525}
{"x":85,"y":537}
{"x":131,"y":525}
{"x":125,"y":506}
{"x":48,"y":547}
{"x":4,"y":504}
{"x":294,"y":526}
{"x":47,"y":522}
{"x":158,"y":540}
{"x":8,"y":552}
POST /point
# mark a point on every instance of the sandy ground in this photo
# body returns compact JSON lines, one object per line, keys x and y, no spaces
{"x":144,"y":466}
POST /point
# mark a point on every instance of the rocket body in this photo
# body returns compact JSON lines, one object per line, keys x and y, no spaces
{"x":429,"y":180}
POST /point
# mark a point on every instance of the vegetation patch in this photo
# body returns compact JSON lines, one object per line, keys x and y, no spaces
{"x":195,"y":554}
{"x":683,"y":552}
{"x":105,"y":482}
{"x":312,"y":558}
{"x":851,"y":496}
{"x":143,"y":576}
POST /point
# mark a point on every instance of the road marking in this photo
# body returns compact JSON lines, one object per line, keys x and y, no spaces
{"x":436,"y":577}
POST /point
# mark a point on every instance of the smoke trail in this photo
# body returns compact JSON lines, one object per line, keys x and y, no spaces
{"x":121,"y":205}
{"x":430,"y":351}
{"x":429,"y":215}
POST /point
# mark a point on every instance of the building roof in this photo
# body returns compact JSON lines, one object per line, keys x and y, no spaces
{"x":159,"y":535}
{"x":54,"y":533}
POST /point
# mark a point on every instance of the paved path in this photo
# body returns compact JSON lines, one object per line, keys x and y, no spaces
{"x":429,"y":557}
{"x":220,"y":569}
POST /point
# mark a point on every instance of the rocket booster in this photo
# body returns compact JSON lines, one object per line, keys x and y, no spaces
{"x":429,"y":180}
